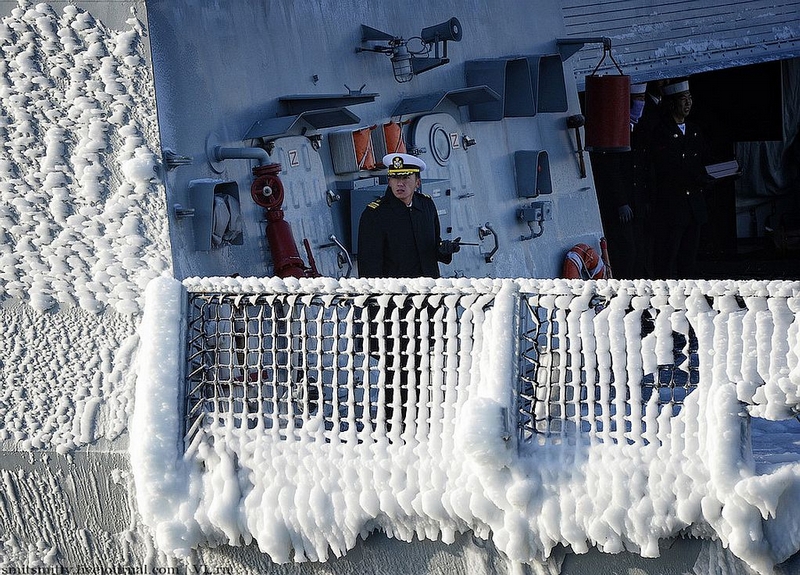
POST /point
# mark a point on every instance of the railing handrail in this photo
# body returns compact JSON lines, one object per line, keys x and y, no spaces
{"x":672,"y":295}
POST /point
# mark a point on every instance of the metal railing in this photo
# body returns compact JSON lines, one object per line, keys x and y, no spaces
{"x":430,"y":408}
{"x":326,"y":367}
{"x":600,"y":360}
{"x":566,"y":388}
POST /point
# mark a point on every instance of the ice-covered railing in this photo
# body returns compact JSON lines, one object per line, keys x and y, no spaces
{"x":349,"y":365}
{"x":540,"y":413}
{"x":329,"y":367}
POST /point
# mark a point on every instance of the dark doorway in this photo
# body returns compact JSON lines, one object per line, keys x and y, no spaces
{"x":741,"y":104}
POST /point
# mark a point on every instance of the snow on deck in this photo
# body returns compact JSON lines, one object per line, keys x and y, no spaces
{"x":602,"y":463}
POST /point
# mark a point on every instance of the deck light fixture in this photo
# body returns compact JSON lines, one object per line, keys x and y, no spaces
{"x":406,"y":63}
{"x":401,"y":64}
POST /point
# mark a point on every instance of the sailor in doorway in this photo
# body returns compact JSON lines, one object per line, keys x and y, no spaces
{"x":399,"y":235}
{"x":678,"y":155}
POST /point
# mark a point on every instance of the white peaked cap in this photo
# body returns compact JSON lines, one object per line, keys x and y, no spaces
{"x":402,"y":164}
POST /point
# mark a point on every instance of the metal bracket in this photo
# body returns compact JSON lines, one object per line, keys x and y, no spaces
{"x":172,"y":160}
{"x":331,"y":197}
{"x":484,"y":231}
{"x":181,"y":212}
{"x":537,"y":212}
{"x":569,"y":46}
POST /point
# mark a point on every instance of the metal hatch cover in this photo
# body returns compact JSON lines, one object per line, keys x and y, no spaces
{"x":299,"y":124}
{"x":299,"y":103}
{"x":460,"y":97}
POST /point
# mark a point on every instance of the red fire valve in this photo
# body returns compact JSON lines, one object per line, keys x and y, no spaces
{"x":267,"y":188}
{"x":267,"y":191}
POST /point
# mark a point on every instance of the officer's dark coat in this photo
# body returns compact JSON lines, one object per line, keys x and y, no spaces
{"x":678,"y":173}
{"x":639,"y":171}
{"x":678,"y":179}
{"x":399,"y":242}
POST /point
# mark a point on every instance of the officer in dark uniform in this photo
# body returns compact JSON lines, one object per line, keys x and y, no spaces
{"x":399,"y":234}
{"x":678,"y":156}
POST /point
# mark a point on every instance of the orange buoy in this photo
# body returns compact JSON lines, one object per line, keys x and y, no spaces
{"x":583,"y":262}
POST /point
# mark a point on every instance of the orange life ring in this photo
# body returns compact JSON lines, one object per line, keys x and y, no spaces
{"x":362,"y":142}
{"x":583,"y":262}
{"x":393,"y":135}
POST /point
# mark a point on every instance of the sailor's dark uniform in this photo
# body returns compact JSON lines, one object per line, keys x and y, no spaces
{"x":678,"y":179}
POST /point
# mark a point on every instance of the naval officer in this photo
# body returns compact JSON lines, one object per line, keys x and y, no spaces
{"x":399,"y":235}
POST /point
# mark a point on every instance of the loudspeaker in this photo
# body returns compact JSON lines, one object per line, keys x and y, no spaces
{"x":449,"y":30}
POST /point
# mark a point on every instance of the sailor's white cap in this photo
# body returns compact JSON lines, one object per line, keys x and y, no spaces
{"x":403,"y":164}
{"x":638,"y":88}
{"x":676,"y":88}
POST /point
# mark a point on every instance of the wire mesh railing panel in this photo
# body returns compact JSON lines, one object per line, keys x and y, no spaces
{"x":330,"y":367}
{"x":604,"y":361}
{"x":589,"y":365}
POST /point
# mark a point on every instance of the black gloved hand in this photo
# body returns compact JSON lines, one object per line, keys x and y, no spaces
{"x":625,"y":213}
{"x":451,"y":246}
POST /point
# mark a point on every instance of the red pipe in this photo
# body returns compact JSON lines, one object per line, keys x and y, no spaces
{"x":267,"y":191}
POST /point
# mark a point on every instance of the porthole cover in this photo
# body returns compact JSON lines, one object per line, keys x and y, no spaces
{"x":440,"y":144}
